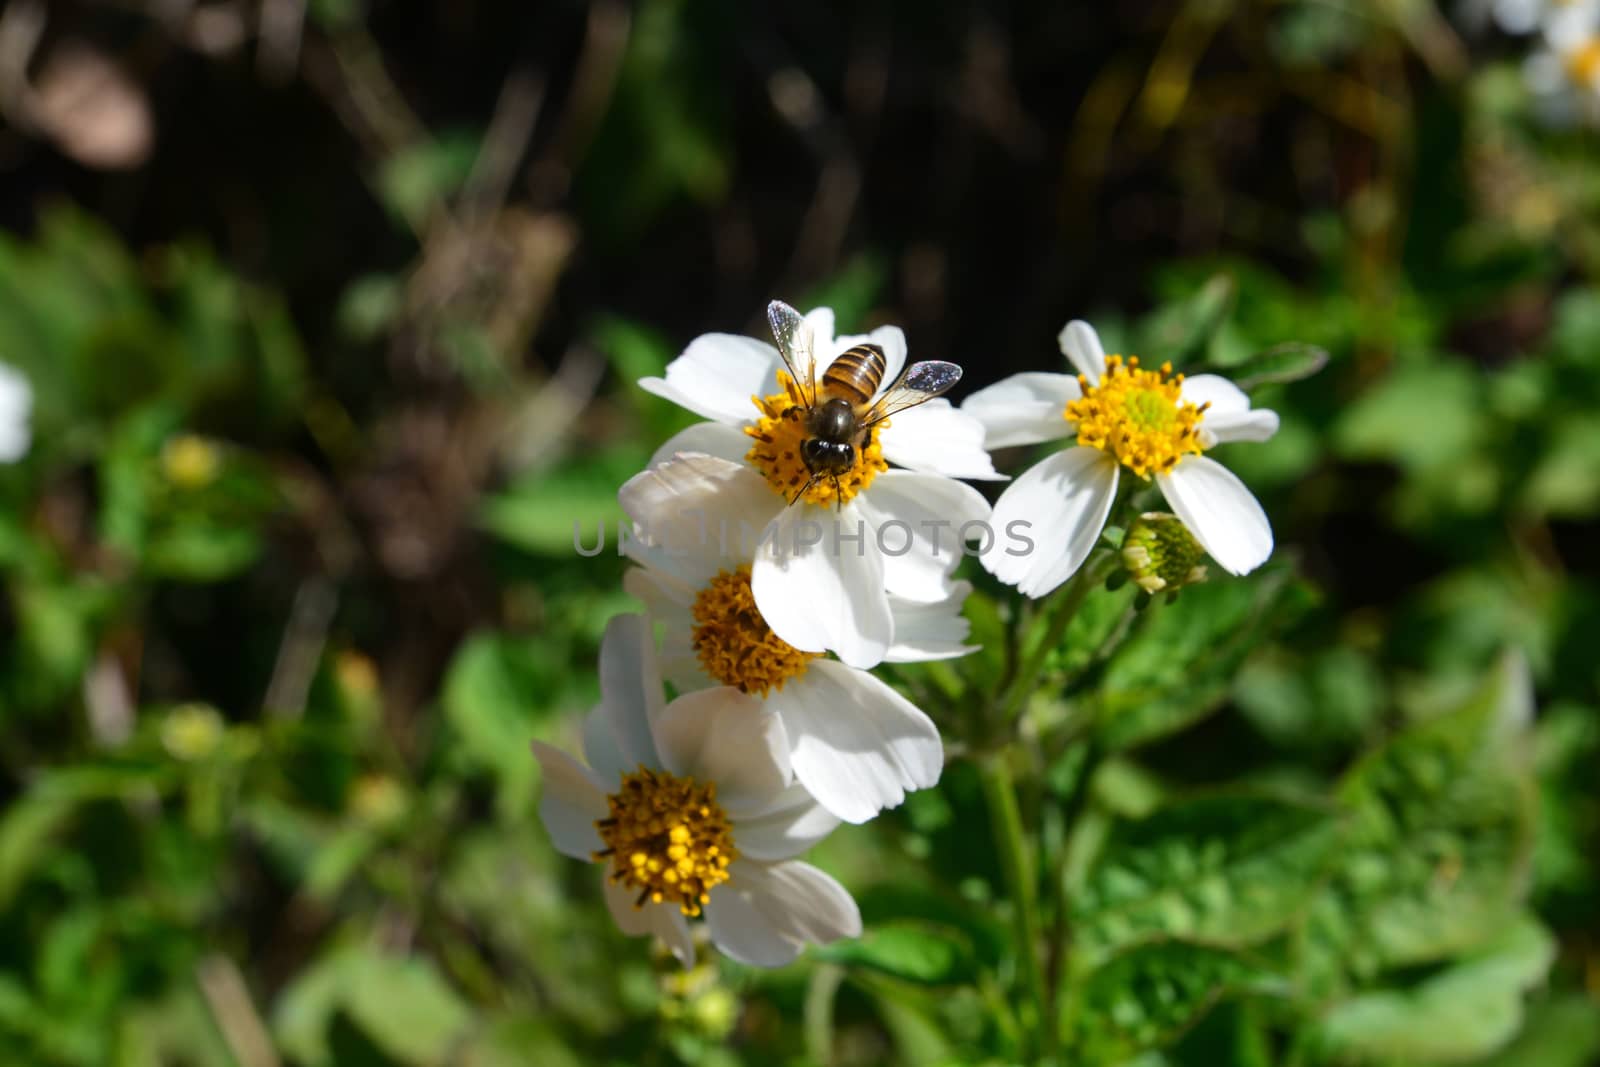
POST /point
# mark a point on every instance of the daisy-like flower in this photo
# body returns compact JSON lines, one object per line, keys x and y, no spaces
{"x":856,"y":744}
{"x":1564,"y":74}
{"x":16,"y":409}
{"x":1526,"y":16}
{"x":694,"y":811}
{"x":1154,"y":423}
{"x":825,"y":596}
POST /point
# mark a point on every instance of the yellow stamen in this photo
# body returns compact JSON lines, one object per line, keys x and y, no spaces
{"x":735,"y":644}
{"x":1137,"y":417}
{"x":667,"y":838}
{"x":781,"y":430}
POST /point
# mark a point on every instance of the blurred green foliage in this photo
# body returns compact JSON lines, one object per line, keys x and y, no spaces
{"x":1313,"y":816}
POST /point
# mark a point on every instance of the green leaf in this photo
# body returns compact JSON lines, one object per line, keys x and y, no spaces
{"x":489,"y":698}
{"x":1148,"y":996}
{"x":400,"y":1003}
{"x":1436,"y":850}
{"x":1421,"y":416}
{"x":912,"y":953}
{"x":1179,"y":665}
{"x":1560,"y":1032}
{"x":1280,"y":365}
{"x":571,"y":514}
{"x":1228,"y":869}
{"x":1467,"y":1010}
{"x":417,"y":178}
{"x":1183,"y":329}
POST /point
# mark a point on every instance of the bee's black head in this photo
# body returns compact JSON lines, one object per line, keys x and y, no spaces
{"x":827,"y":457}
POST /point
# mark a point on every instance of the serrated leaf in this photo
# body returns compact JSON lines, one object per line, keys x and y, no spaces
{"x":1230,"y":869}
{"x":1436,"y":850}
{"x":1148,"y":996}
{"x":1179,"y":664}
{"x":1466,"y":1011}
{"x":1279,"y":365}
{"x":920,"y":954}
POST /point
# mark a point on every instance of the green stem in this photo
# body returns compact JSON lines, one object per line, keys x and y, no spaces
{"x":1000,"y":794}
{"x":1091,"y":574}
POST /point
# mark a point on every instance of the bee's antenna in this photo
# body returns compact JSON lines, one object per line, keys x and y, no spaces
{"x":838,"y":495}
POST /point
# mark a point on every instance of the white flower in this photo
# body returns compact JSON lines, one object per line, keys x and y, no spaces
{"x":1564,"y":74}
{"x":694,"y":810}
{"x":1525,"y":16}
{"x":816,"y":598}
{"x":856,"y":744}
{"x":16,"y":408}
{"x":1153,"y":423}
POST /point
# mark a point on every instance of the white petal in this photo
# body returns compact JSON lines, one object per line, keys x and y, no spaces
{"x":616,"y":735}
{"x":741,"y":930}
{"x":697,"y":515}
{"x":821,"y":587}
{"x":1081,"y":345}
{"x":793,"y":823}
{"x":572,"y":801}
{"x":855,"y":743}
{"x":917,"y":522}
{"x":665,"y":921}
{"x":724,"y":736}
{"x":711,"y":438}
{"x":1024,"y":409}
{"x":1224,"y":397}
{"x":1047,"y":521}
{"x":930,"y":631}
{"x":716,"y":376}
{"x":1221,"y":513}
{"x":939,"y":439}
{"x":893,"y":343}
{"x":1257,"y":425}
{"x":668,"y":602}
{"x":768,"y":913}
{"x":16,"y":407}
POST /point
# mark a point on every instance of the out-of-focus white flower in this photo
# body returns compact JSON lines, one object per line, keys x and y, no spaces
{"x":856,"y":744}
{"x":1154,"y":423}
{"x":1564,"y":73}
{"x":693,"y":809}
{"x":16,"y":413}
{"x":817,"y":596}
{"x":1519,"y":17}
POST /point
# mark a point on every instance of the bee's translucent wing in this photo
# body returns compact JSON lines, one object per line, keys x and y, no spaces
{"x":917,"y":383}
{"x":797,"y":346}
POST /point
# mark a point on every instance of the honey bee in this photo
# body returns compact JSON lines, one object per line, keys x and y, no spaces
{"x":841,"y":411}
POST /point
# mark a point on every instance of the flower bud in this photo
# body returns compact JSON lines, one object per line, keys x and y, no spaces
{"x":190,"y":461}
{"x":192,"y":731}
{"x":1160,"y":553}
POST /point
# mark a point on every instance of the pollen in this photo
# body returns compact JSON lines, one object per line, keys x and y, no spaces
{"x":1137,"y":416}
{"x":735,"y":645}
{"x":667,"y":839}
{"x":779,"y":433}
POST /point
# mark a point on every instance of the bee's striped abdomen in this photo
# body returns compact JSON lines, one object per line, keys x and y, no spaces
{"x":855,"y":374}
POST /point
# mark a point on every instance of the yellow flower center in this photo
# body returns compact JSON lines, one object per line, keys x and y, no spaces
{"x":1583,"y":62}
{"x":668,"y":838}
{"x":1137,"y":416}
{"x":735,"y":644}
{"x":779,"y":433}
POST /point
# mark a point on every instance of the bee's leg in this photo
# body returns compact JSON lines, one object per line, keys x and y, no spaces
{"x":803,"y":490}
